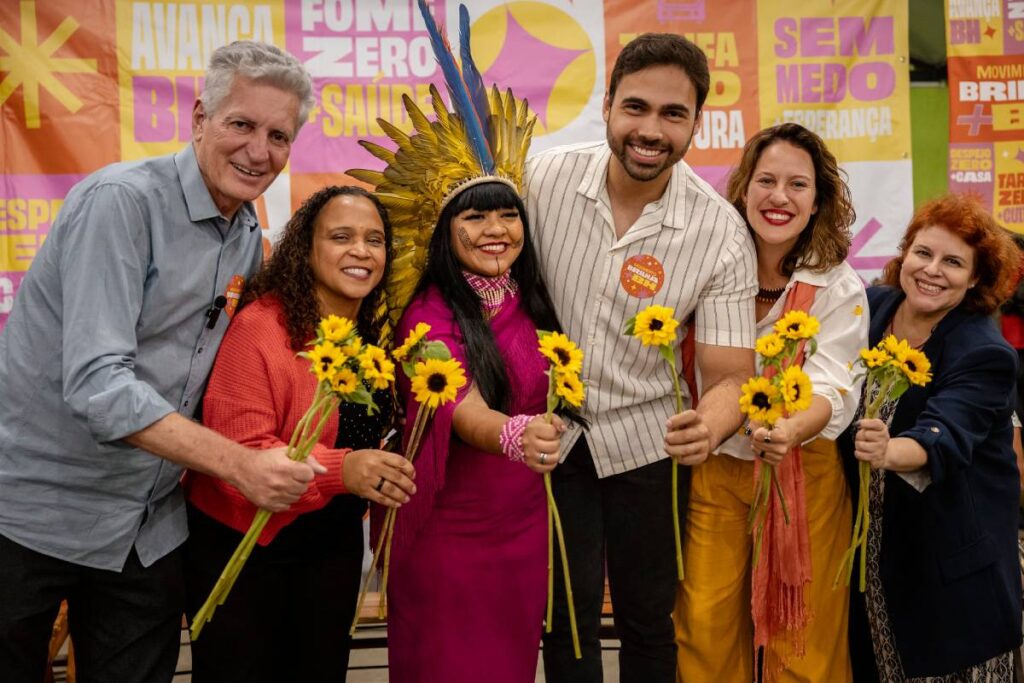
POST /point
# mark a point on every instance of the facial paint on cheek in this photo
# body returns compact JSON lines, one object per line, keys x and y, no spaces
{"x":464,"y":237}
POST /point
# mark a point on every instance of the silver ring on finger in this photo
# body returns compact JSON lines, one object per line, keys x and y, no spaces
{"x":543,"y":458}
{"x":380,"y":485}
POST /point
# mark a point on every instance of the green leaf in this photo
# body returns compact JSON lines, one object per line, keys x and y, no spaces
{"x":668,"y":354}
{"x":436,"y":350}
{"x":362,"y":396}
{"x":630,"y":330}
{"x":812,"y":344}
{"x":407,"y":368}
{"x":542,"y":333}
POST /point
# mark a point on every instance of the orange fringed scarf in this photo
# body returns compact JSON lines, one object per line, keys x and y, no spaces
{"x":777,"y":594}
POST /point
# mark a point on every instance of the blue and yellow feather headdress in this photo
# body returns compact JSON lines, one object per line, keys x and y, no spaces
{"x":485,"y":138}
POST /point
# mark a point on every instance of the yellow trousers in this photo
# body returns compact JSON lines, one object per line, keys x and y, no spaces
{"x":714,"y":628}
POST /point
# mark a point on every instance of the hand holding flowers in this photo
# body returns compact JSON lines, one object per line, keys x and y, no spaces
{"x":782,"y":390}
{"x":772,"y":445}
{"x":872,"y":443}
{"x":542,"y":438}
{"x":655,"y":326}
{"x":435,"y":379}
{"x":890,"y":368}
{"x":346,"y":370}
{"x":564,"y":390}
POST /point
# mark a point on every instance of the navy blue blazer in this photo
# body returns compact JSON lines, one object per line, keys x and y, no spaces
{"x":948,"y":562}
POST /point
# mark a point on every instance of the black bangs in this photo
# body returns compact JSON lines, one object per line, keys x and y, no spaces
{"x":485,"y":197}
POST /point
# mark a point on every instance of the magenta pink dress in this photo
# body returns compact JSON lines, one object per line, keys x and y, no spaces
{"x":468,"y":578}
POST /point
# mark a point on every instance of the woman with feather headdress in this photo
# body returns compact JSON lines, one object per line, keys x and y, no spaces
{"x":468,"y":564}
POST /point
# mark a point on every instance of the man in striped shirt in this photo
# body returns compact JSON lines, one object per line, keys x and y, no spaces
{"x":618,"y":226}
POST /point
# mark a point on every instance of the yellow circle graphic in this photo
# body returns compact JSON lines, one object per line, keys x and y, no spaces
{"x":542,"y":54}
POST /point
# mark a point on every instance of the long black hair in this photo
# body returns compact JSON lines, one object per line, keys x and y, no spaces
{"x":444,"y":270}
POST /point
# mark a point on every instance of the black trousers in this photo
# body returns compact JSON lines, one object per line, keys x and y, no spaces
{"x":125,"y":625}
{"x":623,"y":522}
{"x":288,"y":615}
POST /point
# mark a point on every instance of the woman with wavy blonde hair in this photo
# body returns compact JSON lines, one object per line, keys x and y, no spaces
{"x":789,"y":189}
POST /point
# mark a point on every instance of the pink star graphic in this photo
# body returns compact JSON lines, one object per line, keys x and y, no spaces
{"x":1020,"y":155}
{"x":508,"y":71}
{"x":859,"y":241}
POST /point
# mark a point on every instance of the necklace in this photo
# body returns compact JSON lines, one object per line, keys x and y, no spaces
{"x":768,"y":296}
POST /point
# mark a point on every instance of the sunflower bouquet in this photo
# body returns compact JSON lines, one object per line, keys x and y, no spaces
{"x":782,"y":389}
{"x":656,"y":326}
{"x":347,"y":370}
{"x":564,"y":390}
{"x":436,"y":378}
{"x":889,"y":369}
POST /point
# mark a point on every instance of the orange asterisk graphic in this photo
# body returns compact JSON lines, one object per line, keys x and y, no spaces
{"x":31,"y":64}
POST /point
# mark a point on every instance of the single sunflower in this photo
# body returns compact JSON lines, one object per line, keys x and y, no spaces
{"x":915,"y":365}
{"x":562,"y":352}
{"x":797,"y":325}
{"x":344,"y":381}
{"x":655,"y":326}
{"x":759,"y":400}
{"x":414,"y":337}
{"x":770,"y":345}
{"x":875,"y":358}
{"x":436,"y":382}
{"x":796,"y":389}
{"x":326,"y":359}
{"x":335,"y":328}
{"x":569,"y":388}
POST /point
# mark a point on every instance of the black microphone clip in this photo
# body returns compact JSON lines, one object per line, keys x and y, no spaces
{"x":214,"y":312}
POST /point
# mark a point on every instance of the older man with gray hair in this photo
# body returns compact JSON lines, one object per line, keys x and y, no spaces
{"x":102,"y":365}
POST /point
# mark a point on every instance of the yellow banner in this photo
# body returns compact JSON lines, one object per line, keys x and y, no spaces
{"x":840,"y":69}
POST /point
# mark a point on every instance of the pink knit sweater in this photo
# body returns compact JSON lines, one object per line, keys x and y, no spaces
{"x":258,"y":392}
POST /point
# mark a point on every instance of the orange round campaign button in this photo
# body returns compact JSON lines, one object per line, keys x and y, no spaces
{"x":642,"y":276}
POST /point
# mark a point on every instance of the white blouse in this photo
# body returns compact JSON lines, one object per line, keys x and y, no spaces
{"x":841,"y":306}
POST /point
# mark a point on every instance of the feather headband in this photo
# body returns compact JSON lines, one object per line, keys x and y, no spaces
{"x":483,"y":138}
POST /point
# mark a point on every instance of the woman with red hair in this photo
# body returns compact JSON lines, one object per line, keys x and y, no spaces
{"x":943,"y":598}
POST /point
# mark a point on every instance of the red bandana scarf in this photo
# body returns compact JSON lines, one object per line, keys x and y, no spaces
{"x":784,"y":568}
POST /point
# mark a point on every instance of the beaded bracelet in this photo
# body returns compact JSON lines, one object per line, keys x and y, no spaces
{"x":511,"y":437}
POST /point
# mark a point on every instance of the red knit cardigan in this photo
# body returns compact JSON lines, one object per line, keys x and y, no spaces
{"x":258,"y":392}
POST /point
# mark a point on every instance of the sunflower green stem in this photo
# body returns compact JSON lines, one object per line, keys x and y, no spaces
{"x":306,"y":434}
{"x":423,"y":416}
{"x":553,"y":517}
{"x":676,"y":531}
{"x":862,"y":520}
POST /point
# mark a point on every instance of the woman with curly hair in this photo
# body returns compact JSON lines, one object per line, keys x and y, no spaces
{"x":943,"y":593}
{"x":790,"y":190}
{"x":332,"y":259}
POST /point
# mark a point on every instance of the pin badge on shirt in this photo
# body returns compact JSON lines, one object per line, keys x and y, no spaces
{"x":642,"y":276}
{"x":233,"y":293}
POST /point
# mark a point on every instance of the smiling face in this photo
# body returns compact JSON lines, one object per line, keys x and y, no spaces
{"x":348,"y":255}
{"x":781,"y":196}
{"x":242,"y":147}
{"x":937,"y":271}
{"x":487,"y":242}
{"x":651,"y":120}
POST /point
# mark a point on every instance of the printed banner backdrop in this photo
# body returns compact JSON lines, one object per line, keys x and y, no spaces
{"x":985,"y":44}
{"x":86,"y":84}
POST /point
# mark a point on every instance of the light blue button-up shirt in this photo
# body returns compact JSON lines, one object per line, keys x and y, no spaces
{"x":109,"y":333}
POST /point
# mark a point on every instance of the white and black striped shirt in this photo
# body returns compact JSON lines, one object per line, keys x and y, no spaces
{"x":689,"y":251}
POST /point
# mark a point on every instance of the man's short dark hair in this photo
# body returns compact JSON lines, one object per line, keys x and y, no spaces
{"x":656,"y":49}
